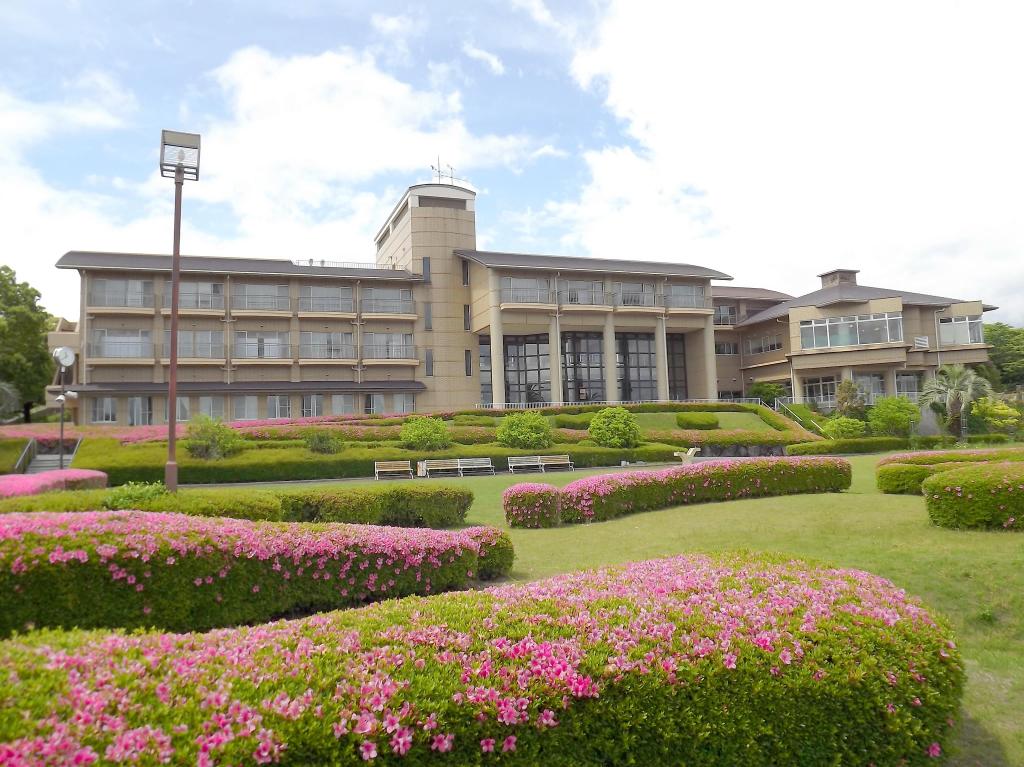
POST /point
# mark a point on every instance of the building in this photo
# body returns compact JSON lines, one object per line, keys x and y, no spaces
{"x":435,"y":324}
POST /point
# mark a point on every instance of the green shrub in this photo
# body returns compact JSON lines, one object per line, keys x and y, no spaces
{"x":931,"y":441}
{"x":848,"y":446}
{"x":578,"y":422}
{"x":767,"y":392}
{"x":475,"y":420}
{"x":614,"y":427}
{"x":849,"y":400}
{"x":602,"y":678}
{"x":10,"y":452}
{"x":209,"y":439}
{"x":841,"y":427}
{"x":607,"y":496}
{"x":531,"y":504}
{"x":703,"y":421}
{"x":893,"y":416}
{"x":472,"y":435}
{"x":425,"y":434}
{"x":528,"y":429}
{"x":988,"y":439}
{"x":987,"y":496}
{"x":134,"y":495}
{"x":906,"y":478}
{"x":496,"y":554}
{"x":129,"y":569}
{"x":996,"y":415}
{"x":320,"y":441}
{"x":951,"y":456}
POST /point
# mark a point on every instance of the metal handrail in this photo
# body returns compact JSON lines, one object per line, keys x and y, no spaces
{"x":261,"y":303}
{"x":780,"y":404}
{"x":682,"y":301}
{"x":527,"y":296}
{"x":583,"y":297}
{"x":635,"y":298}
{"x":26,"y":457}
{"x":327,"y":351}
{"x":120,"y":349}
{"x":389,"y":352}
{"x":200,"y":301}
{"x":326,"y":304}
{"x":242,"y":350}
{"x":120,"y":299}
{"x":196,"y":351}
{"x":321,"y":263}
{"x":387,"y":306}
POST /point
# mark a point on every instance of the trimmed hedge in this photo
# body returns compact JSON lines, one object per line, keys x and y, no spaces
{"x":20,"y":485}
{"x":404,"y":505}
{"x":131,"y":568}
{"x":579,"y":422}
{"x":954,"y":456}
{"x":849,"y":446}
{"x":606,"y":496}
{"x":987,"y":496}
{"x":906,"y":479}
{"x":723,"y":660}
{"x":696,"y":421}
{"x":475,"y":420}
{"x":988,"y":439}
{"x":10,"y":452}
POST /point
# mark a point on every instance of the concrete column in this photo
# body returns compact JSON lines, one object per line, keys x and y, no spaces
{"x":661,"y":357}
{"x":890,"y":382}
{"x":798,"y":388}
{"x":710,"y":363}
{"x":555,"y":357}
{"x":611,"y":390}
{"x":497,"y":341}
{"x":846,"y":374}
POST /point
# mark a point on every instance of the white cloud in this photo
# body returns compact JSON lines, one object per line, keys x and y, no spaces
{"x":490,"y":60}
{"x":775,"y":141}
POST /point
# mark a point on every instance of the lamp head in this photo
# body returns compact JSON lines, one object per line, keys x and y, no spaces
{"x":179,"y":150}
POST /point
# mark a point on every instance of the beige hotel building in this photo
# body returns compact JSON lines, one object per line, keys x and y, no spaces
{"x":435,"y":324}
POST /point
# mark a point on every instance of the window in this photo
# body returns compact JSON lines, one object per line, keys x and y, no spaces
{"x":199,"y":344}
{"x":133,"y":344}
{"x":326,"y":346}
{"x":140,"y":411}
{"x":727,"y":348}
{"x":326,"y":298}
{"x":729,"y":395}
{"x":764,"y":344}
{"x":582,"y":292}
{"x":428,"y":317}
{"x":244,"y":408}
{"x":850,"y":331}
{"x":465,"y":272}
{"x":388,"y":346}
{"x":469,"y":362}
{"x":201,"y":295}
{"x":374,"y":403}
{"x":820,"y":390}
{"x":426,"y":268}
{"x":387,"y":300}
{"x":871,"y":385}
{"x":128,"y":293}
{"x":183,"y":412}
{"x":465,"y":316}
{"x":343,"y":404}
{"x":527,"y":371}
{"x":404,"y":403}
{"x":104,"y":410}
{"x":486,"y":389}
{"x":582,"y":367}
{"x":279,"y":406}
{"x":312,"y":405}
{"x":676,"y":366}
{"x":430,"y":362}
{"x":954,"y":331}
{"x":685,"y":296}
{"x":725,"y":315}
{"x":634,"y":293}
{"x":526,"y":290}
{"x":908,"y":385}
{"x":636,"y":368}
{"x":212,"y":407}
{"x":265,"y":297}
{"x":261,"y":344}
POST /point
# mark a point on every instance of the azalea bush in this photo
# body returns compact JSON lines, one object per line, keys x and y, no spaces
{"x":949,"y":456}
{"x":133,"y":568}
{"x":614,"y":427}
{"x":905,"y":472}
{"x":723,"y":660}
{"x":527,"y":430}
{"x":531,"y":504}
{"x":906,"y":478}
{"x":425,"y":434}
{"x":978,"y":496}
{"x":210,"y":439}
{"x":13,"y":485}
{"x":605,"y":496}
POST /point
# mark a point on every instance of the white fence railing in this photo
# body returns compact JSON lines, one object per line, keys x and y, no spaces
{"x":542,"y":405}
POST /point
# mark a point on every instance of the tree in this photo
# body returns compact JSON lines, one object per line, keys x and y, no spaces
{"x":893,"y":417}
{"x":842,"y":427}
{"x":955,"y":387}
{"x":767,"y":392}
{"x":850,"y":400}
{"x":996,"y":414}
{"x":25,"y":361}
{"x":1007,"y":353}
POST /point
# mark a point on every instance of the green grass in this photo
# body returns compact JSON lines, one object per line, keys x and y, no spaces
{"x":10,"y":452}
{"x":976,"y":579}
{"x":664,"y":421}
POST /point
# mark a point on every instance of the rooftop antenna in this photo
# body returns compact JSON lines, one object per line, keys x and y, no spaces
{"x":437,"y":169}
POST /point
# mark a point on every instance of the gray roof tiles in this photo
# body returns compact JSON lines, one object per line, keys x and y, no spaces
{"x":754,"y":294}
{"x":493,"y":259}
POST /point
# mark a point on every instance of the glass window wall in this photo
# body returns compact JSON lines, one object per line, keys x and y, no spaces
{"x":582,"y":367}
{"x":954,"y":331}
{"x":851,"y":331}
{"x":527,"y":369}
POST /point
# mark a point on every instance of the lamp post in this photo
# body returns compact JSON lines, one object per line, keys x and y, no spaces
{"x":179,"y":159}
{"x":65,"y":357}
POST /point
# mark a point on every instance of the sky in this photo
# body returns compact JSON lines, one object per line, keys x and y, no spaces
{"x":771,"y":141}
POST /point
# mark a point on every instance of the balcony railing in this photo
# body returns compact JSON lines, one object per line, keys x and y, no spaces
{"x":120,"y":299}
{"x":388,"y":306}
{"x":682,"y":301}
{"x":637,"y":299}
{"x":261,"y":303}
{"x":121,"y":349}
{"x":326,"y":304}
{"x":200,"y":301}
{"x":583,"y":297}
{"x":527,"y":296}
{"x":913,"y":396}
{"x":327,"y":351}
{"x":200,"y":351}
{"x":270,"y":350}
{"x":389,"y":352}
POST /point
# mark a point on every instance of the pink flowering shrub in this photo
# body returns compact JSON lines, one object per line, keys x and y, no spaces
{"x":716,"y":661}
{"x":531,"y":504}
{"x":611,"y":495}
{"x":133,"y":568}
{"x":905,"y":472}
{"x":960,"y":456}
{"x":977,"y":496}
{"x":12,"y":485}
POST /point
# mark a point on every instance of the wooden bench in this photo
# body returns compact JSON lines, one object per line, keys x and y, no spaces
{"x":475,"y":466}
{"x":556,"y":462}
{"x":442,"y":466}
{"x":524,"y":463}
{"x":686,"y":456}
{"x":392,"y":469}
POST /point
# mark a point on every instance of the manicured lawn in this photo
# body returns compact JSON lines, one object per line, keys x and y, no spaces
{"x":666,"y":421}
{"x":975,"y":579}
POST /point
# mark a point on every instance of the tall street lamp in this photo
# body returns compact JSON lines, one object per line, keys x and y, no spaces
{"x":65,"y":357}
{"x":179,"y":159}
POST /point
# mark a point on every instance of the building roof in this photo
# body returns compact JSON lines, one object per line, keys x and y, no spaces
{"x":492,"y":259}
{"x":850,"y":293}
{"x":754,"y":294}
{"x":271,"y":267}
{"x":249,"y":387}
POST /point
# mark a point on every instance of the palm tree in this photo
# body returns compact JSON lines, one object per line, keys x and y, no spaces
{"x":955,"y":387}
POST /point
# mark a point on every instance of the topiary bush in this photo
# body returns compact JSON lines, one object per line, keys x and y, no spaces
{"x":848,"y":446}
{"x":129,"y":568}
{"x":725,"y":660}
{"x":702,"y":421}
{"x":578,"y":422}
{"x":841,"y":427}
{"x":496,"y":553}
{"x":893,"y":416}
{"x":322,"y":441}
{"x":475,"y":420}
{"x":906,"y":479}
{"x":606,"y":496}
{"x":987,"y":496}
{"x":527,"y":430}
{"x":614,"y":427}
{"x":425,"y":434}
{"x":21,"y":485}
{"x":954,"y":456}
{"x":531,"y":504}
{"x":210,"y":439}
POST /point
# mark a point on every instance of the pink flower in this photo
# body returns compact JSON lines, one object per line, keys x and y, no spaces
{"x":729,"y":661}
{"x":401,"y":741}
{"x":934,"y":750}
{"x":509,"y":744}
{"x":487,"y":745}
{"x":442,"y":743}
{"x":368,"y":750}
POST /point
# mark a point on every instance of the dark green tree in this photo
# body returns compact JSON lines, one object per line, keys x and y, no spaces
{"x":1007,"y":352}
{"x":25,"y":361}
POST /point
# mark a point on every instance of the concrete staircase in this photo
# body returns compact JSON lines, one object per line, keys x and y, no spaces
{"x":50,"y":462}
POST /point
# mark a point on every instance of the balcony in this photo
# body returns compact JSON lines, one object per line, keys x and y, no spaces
{"x":584,"y":297}
{"x":194,"y":351}
{"x":388,"y":306}
{"x":682,"y":301}
{"x":389,"y":352}
{"x":201,"y":301}
{"x":527,"y":296}
{"x":246,"y":351}
{"x":119,"y":299}
{"x":326,"y":304}
{"x":120,"y":350}
{"x":327,"y":351}
{"x":261,"y":303}
{"x":638,"y":300}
